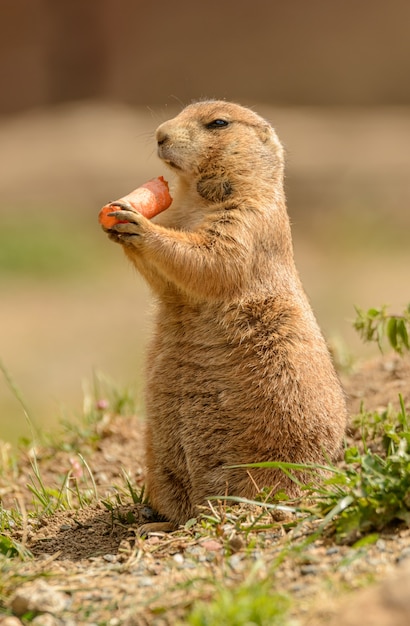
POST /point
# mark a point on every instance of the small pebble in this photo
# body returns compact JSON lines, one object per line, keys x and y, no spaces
{"x":111,"y":558}
{"x":147,"y":513}
{"x":40,"y":597}
{"x":178,"y":558}
{"x":10,"y":620}
{"x":309,"y":569}
{"x":389,"y":366}
{"x":381,"y":544}
{"x":236,"y":562}
{"x":404,"y":554}
{"x":211,"y":545}
{"x":236,"y":543}
{"x":152,"y":540}
{"x":46,"y":619}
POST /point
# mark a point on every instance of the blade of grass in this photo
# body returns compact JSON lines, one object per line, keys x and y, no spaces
{"x":19,"y":397}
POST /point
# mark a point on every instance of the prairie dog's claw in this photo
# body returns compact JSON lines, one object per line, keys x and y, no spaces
{"x":125,"y":215}
{"x":123,"y":204}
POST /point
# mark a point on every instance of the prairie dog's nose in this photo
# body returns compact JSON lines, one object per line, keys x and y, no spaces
{"x":162,"y":136}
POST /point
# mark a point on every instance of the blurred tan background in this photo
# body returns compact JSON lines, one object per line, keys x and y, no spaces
{"x":84,"y":85}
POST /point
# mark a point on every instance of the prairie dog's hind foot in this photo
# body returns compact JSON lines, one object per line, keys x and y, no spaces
{"x":156,"y":527}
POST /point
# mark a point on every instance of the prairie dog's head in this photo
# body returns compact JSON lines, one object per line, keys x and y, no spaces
{"x":221,"y":147}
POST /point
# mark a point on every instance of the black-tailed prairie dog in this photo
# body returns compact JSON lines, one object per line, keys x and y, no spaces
{"x":237,"y":371}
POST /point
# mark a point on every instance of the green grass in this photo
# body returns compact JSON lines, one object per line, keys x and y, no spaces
{"x":77,"y":487}
{"x":249,"y":604}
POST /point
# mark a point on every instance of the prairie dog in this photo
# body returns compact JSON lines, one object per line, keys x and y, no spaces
{"x":238,"y":370}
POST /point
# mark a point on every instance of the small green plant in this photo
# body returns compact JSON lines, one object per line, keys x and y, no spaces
{"x":120,"y":499}
{"x":19,"y":397}
{"x":252,"y":603}
{"x":138,"y":496}
{"x":384,"y":425}
{"x":105,"y":395}
{"x":77,"y":489}
{"x":11,"y":548}
{"x":372,"y":490}
{"x":379,"y":491}
{"x":10,"y":520}
{"x":102,"y":400}
{"x":378,"y":325}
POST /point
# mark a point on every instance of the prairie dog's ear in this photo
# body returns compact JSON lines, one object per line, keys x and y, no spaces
{"x":269,"y":137}
{"x":265,"y":132}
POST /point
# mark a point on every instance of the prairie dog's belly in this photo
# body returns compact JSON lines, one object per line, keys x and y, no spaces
{"x":214,"y":368}
{"x":191,"y":358}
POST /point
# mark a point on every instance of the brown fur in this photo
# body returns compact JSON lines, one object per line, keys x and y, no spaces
{"x":238,"y":371}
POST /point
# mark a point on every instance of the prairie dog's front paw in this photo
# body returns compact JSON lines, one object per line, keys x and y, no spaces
{"x":125,"y":217}
{"x":129,"y":226}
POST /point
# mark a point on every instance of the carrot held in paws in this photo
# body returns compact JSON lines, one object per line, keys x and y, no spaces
{"x":149,"y":200}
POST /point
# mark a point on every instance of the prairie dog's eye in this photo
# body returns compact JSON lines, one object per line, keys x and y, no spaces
{"x":218,"y":123}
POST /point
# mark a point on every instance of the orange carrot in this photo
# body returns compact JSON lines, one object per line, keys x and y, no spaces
{"x":149,"y":200}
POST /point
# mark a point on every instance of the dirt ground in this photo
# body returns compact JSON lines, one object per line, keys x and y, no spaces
{"x":376,"y":384}
{"x":94,"y":557}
